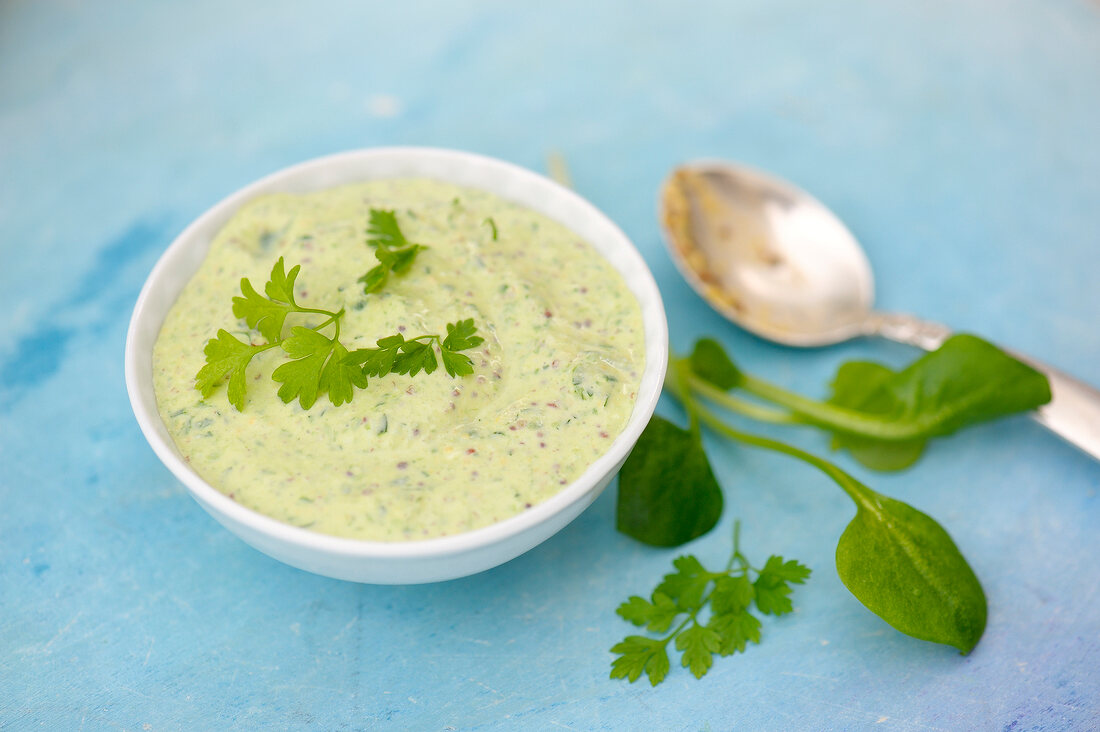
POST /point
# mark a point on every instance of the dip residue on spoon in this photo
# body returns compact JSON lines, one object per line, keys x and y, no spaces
{"x":410,"y":458}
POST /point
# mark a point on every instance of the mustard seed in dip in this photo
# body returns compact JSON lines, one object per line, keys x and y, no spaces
{"x":410,"y":457}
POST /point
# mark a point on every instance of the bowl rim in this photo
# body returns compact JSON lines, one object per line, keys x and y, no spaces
{"x":638,"y":278}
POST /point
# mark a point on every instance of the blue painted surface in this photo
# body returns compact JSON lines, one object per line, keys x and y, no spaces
{"x":959,"y":141}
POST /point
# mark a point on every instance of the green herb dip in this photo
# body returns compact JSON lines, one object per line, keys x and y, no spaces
{"x":426,"y":456}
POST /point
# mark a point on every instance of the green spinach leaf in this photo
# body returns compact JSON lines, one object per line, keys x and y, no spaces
{"x":964,"y":382}
{"x":667,"y":491}
{"x":710,"y":362}
{"x":864,"y":386}
{"x":904,"y":567}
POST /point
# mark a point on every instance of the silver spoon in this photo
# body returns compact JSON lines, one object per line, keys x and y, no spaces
{"x":774,"y":260}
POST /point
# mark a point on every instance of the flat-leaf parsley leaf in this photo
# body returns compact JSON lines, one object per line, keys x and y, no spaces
{"x":395,"y":253}
{"x":226,"y":356}
{"x":396,"y":354}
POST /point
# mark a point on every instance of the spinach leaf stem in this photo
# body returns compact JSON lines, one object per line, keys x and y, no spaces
{"x":836,"y":418}
{"x":756,"y":411}
{"x":847,"y":483}
{"x":680,"y":372}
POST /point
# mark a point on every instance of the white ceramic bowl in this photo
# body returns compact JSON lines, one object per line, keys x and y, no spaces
{"x":413,"y":561}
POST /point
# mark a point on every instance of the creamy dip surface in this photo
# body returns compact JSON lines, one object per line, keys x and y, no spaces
{"x":410,"y":457}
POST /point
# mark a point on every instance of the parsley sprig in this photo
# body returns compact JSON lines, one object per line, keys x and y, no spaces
{"x":395,"y":253}
{"x":730,"y":626}
{"x":317,"y":367}
{"x":395,"y":354}
{"x":320,"y":364}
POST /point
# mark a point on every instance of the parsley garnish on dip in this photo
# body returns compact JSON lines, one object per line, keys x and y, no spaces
{"x":404,"y":455}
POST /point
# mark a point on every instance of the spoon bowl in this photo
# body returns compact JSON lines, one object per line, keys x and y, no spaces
{"x":766,"y":254}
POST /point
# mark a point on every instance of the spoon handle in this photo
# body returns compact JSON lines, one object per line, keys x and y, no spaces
{"x":907,"y":329}
{"x":1074,"y":409}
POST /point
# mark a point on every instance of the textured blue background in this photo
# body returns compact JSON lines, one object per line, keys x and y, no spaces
{"x":958,"y":139}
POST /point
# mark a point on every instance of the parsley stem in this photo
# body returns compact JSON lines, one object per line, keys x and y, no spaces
{"x":333,"y":319}
{"x":318,"y":311}
{"x":689,"y":619}
{"x":736,"y":547}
